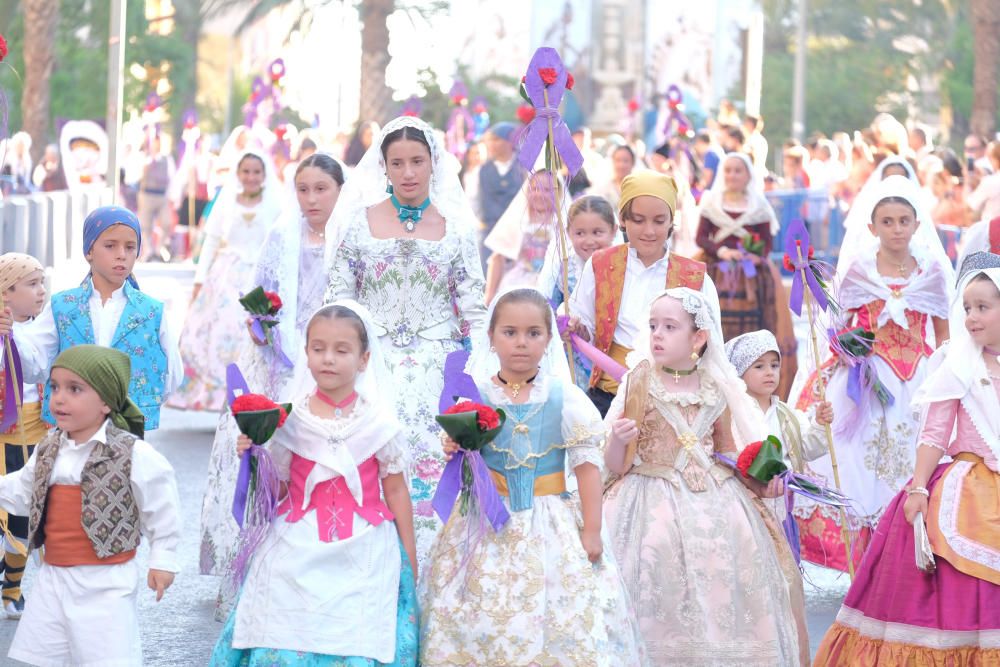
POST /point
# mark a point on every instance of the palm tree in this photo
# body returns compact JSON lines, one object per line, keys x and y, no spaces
{"x":40,"y":19}
{"x":376,"y":97}
{"x":986,"y":50}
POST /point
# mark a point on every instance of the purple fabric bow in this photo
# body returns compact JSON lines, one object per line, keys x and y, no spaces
{"x":457,"y":383}
{"x":537,"y":131}
{"x":730,"y":277}
{"x":598,"y":358}
{"x":489,"y":506}
{"x":259,"y":332}
{"x":796,"y":244}
{"x":13,"y":382}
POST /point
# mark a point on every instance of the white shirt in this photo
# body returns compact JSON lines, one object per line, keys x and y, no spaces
{"x":153,"y":486}
{"x":642,"y":285}
{"x":813,"y":443}
{"x":38,"y":340}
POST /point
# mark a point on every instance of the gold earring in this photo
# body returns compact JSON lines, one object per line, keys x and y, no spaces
{"x":694,"y":355}
{"x":492,"y":349}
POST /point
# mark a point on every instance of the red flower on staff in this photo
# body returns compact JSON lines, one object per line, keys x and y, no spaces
{"x":633,"y":105}
{"x":790,"y":265}
{"x":486,"y":417}
{"x":3,"y":48}
{"x":548,"y":74}
{"x":275,"y":301}
{"x":257,"y":403}
{"x":747,"y":456}
{"x":525,"y":113}
{"x":570,"y":81}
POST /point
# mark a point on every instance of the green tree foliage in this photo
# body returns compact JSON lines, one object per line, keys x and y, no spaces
{"x":861,"y":56}
{"x":80,"y":77}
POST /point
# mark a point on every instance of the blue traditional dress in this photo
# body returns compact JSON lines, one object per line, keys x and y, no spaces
{"x":528,"y":594}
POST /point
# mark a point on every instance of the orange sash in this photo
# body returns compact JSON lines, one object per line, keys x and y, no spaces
{"x":66,"y":543}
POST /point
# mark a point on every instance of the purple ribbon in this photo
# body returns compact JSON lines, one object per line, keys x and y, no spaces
{"x":596,"y":357}
{"x":274,"y":339}
{"x":796,"y":243}
{"x":457,"y":383}
{"x":537,"y":131}
{"x":256,"y":469}
{"x":489,"y":506}
{"x":13,"y":380}
{"x":676,"y":120}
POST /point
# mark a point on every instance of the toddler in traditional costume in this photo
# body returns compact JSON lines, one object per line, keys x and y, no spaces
{"x":894,"y":283}
{"x":22,"y":289}
{"x":708,"y":569}
{"x":107,"y":309}
{"x":332,"y":583}
{"x":541,"y":589}
{"x":894,"y":612}
{"x":617,"y":284}
{"x":91,"y":488}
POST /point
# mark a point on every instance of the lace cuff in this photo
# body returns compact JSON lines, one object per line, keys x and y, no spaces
{"x":392,"y":458}
{"x":577,"y":456}
{"x":933,"y":445}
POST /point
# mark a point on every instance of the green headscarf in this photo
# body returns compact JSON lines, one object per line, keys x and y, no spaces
{"x":108,"y":371}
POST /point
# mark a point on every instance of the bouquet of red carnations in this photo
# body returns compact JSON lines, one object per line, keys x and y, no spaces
{"x":263,"y":307}
{"x":257,"y":484}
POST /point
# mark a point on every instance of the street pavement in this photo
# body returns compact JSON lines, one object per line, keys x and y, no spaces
{"x":180,"y":631}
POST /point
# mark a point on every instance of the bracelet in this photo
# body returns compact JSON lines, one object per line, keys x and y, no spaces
{"x":918,"y":489}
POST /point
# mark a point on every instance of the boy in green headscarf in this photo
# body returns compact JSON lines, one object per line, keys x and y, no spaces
{"x":89,"y":490}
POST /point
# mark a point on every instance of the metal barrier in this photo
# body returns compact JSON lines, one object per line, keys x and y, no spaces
{"x":48,"y":225}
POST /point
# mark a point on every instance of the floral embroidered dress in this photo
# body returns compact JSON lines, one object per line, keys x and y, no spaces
{"x":215,"y":329}
{"x":425,"y":297}
{"x":528,"y":595}
{"x":875,"y":442}
{"x":708,"y":570}
{"x":301,"y":287}
{"x":330,"y":586}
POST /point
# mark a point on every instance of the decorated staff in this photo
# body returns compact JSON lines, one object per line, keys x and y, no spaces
{"x":460,"y":130}
{"x":809,"y":287}
{"x":543,"y":86}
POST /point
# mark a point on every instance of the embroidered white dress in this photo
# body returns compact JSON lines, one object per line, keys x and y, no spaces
{"x":529,"y":595}
{"x":425,"y":298}
{"x":218,"y":528}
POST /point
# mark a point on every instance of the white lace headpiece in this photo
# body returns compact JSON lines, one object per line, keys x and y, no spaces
{"x":744,"y":350}
{"x":704,"y":308}
{"x":367,"y":183}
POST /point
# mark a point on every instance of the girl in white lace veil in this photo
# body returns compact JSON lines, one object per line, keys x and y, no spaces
{"x":368,"y":183}
{"x":703,"y":306}
{"x":858,"y":241}
{"x":484,"y":363}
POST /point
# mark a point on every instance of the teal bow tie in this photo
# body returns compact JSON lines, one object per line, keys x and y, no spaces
{"x":409,"y":216}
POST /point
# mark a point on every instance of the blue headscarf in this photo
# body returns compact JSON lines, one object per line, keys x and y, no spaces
{"x":104,"y":217}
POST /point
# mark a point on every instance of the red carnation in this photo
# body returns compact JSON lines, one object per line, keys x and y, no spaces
{"x":525,"y":113}
{"x":570,"y":81}
{"x":524,"y":79}
{"x":275,"y":300}
{"x":486,"y":417}
{"x":633,"y":105}
{"x":3,"y":48}
{"x":747,"y":456}
{"x":755,"y":237}
{"x":257,"y":403}
{"x":548,"y":74}
{"x":786,"y":261}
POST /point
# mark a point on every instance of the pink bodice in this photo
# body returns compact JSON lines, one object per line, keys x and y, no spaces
{"x":942,"y":417}
{"x":331,"y":499}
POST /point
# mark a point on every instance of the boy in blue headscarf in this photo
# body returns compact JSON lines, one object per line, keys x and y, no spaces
{"x":107,"y":309}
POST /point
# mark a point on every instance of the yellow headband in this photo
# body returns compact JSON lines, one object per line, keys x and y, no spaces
{"x":16,"y":266}
{"x":650,"y":183}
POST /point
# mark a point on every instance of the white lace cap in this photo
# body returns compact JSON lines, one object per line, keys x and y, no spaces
{"x":743,"y":351}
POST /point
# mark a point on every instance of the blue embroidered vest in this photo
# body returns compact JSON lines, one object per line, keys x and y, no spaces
{"x":520,"y":455}
{"x":496,"y":192}
{"x":137,"y":335}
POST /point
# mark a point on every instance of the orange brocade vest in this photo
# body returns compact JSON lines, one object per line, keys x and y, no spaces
{"x":609,"y":282}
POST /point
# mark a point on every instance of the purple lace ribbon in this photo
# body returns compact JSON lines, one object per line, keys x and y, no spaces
{"x":796,"y":243}
{"x":537,"y":131}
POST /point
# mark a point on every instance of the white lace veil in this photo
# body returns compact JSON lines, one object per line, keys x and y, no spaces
{"x":704,"y":307}
{"x":374,"y":381}
{"x":507,"y":234}
{"x":367,"y":186}
{"x":484,"y":363}
{"x":858,"y":240}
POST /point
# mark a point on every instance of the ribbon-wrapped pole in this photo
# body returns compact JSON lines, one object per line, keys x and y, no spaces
{"x":596,"y":357}
{"x":544,"y":85}
{"x":806,"y":289}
